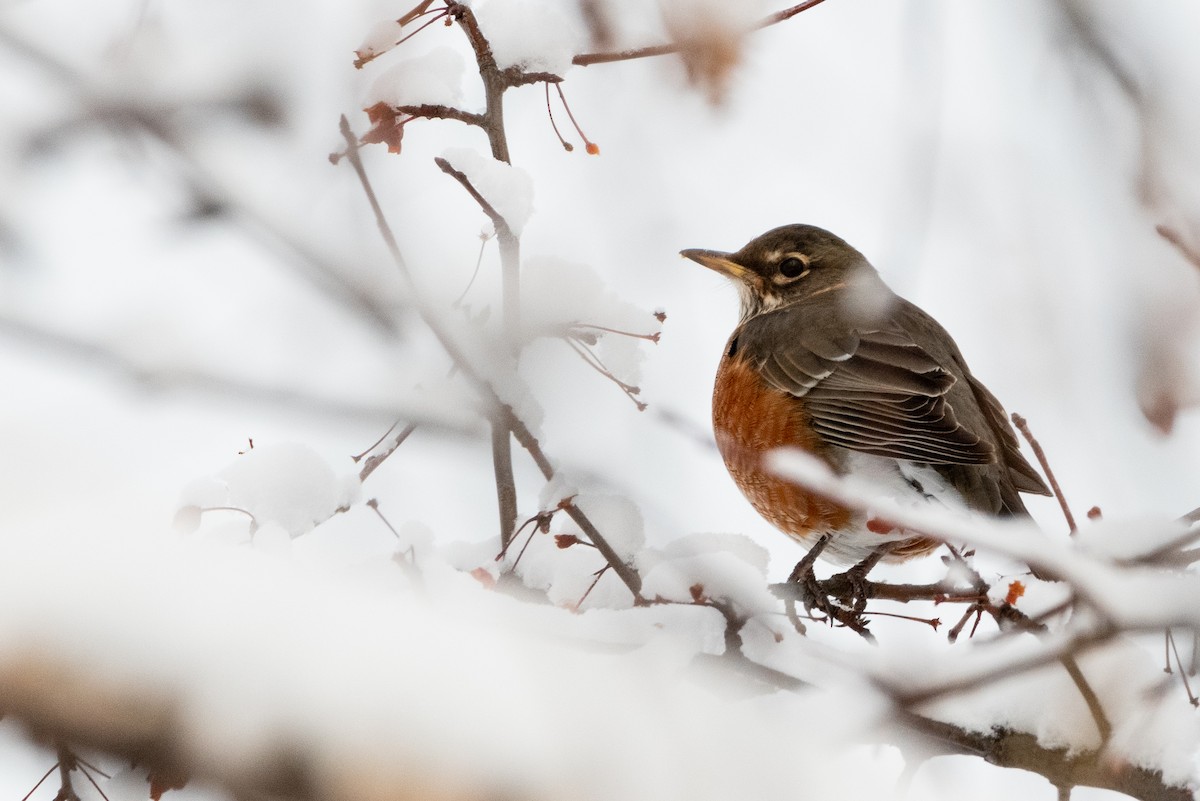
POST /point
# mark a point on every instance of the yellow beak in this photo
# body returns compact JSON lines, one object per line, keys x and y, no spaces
{"x":716,"y":260}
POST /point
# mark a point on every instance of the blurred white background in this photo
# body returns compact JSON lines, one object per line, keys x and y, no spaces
{"x":166,"y":201}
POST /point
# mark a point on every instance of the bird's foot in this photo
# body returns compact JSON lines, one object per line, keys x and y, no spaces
{"x":856,"y":577}
{"x":841,"y":599}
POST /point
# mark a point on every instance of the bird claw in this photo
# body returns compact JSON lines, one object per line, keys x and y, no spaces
{"x":842,"y":598}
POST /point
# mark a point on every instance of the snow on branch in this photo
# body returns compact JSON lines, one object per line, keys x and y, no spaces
{"x":270,"y":678}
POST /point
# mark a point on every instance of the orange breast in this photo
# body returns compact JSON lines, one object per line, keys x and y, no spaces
{"x":750,"y":419}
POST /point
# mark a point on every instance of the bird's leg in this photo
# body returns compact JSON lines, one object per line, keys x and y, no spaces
{"x":857,"y":576}
{"x":803,"y":576}
{"x":805,"y":565}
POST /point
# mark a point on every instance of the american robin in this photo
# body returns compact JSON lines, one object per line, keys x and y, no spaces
{"x":826,"y":358}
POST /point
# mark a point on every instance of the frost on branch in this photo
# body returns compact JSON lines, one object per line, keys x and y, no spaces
{"x":534,"y":35}
{"x":508,"y":189}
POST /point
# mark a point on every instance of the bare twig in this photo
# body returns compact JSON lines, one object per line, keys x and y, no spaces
{"x":599,"y":575}
{"x":376,"y":459}
{"x":518,"y":428}
{"x":655,"y":337}
{"x":588,"y":59}
{"x":1089,"y":696}
{"x":1023,"y":426}
{"x":1187,"y":687}
{"x":40,"y":782}
{"x":1185,"y":250}
{"x":438,"y":112}
{"x":324,"y":272}
{"x":483,"y":240}
{"x":496,"y":217}
{"x":87,"y":775}
{"x":66,"y":764}
{"x":1010,"y":749}
{"x":567,"y":146}
{"x":591,"y":147}
{"x":506,"y":486}
{"x":176,"y":378}
{"x":593,"y":361}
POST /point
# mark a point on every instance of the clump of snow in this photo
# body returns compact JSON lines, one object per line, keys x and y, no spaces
{"x":432,"y":79}
{"x":1153,"y":725}
{"x":555,"y":491}
{"x":507,"y":188}
{"x":617,"y":519}
{"x":556,"y":294}
{"x":561,"y":561}
{"x":286,"y":484}
{"x":565,"y":574}
{"x":381,"y":37}
{"x":724,"y":567}
{"x":1129,"y":539}
{"x":535,"y":35}
{"x":623,"y":356}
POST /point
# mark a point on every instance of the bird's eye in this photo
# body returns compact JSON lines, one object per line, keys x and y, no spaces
{"x":791,"y":267}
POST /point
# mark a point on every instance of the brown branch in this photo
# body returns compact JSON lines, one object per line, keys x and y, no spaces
{"x":518,"y":428}
{"x":496,"y":217}
{"x":622,"y":568}
{"x":587,"y":59}
{"x":376,"y":459}
{"x":325,"y":272}
{"x":840,"y":585}
{"x":1174,"y":237}
{"x":1001,"y":747}
{"x":515,"y":76}
{"x":506,"y":485}
{"x":1089,"y":697}
{"x":1023,"y":426}
{"x":433,"y":111}
{"x":1010,"y":749}
{"x":66,"y":764}
{"x":151,"y":378}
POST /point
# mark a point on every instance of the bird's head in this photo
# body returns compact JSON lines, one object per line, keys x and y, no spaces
{"x":786,"y":265}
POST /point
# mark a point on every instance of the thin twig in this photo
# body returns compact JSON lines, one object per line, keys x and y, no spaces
{"x":1023,"y":426}
{"x":40,"y":782}
{"x":1089,"y":696}
{"x":588,"y":59}
{"x":655,"y":337}
{"x":66,"y":764}
{"x":599,"y":574}
{"x":593,"y":361}
{"x":358,"y":457}
{"x":433,"y":111}
{"x":591,"y":147}
{"x":174,"y":378}
{"x":518,"y":428}
{"x":1187,"y":687}
{"x":376,"y":459}
{"x":88,"y":776}
{"x":1185,"y":250}
{"x":506,"y":485}
{"x":496,"y":217}
{"x":483,"y":240}
{"x":567,"y":146}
